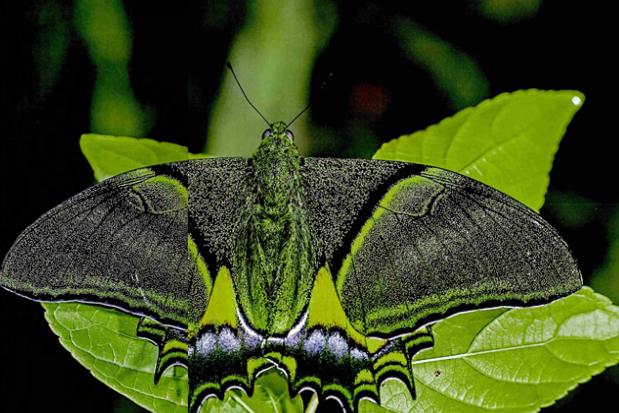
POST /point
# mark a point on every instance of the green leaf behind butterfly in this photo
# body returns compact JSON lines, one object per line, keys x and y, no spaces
{"x":513,"y":361}
{"x":507,"y":142}
{"x":104,"y":341}
{"x":109,"y":156}
{"x":505,"y":360}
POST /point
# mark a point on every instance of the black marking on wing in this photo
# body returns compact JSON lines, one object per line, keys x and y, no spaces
{"x":218,"y":188}
{"x":341,"y":195}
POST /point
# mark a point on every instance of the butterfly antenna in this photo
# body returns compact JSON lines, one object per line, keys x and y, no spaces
{"x":322,"y":86}
{"x":245,"y":94}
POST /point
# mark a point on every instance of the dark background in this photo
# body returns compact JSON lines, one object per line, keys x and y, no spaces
{"x":176,"y":66}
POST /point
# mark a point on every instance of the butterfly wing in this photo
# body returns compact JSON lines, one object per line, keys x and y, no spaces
{"x":410,"y":243}
{"x":218,"y":190}
{"x":121,"y":243}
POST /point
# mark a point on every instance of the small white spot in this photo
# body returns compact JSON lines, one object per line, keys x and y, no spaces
{"x":358,"y":355}
{"x":228,"y":341}
{"x":315,"y":343}
{"x":577,"y":101}
{"x":252,"y":340}
{"x":337,"y":345}
{"x":207,"y":343}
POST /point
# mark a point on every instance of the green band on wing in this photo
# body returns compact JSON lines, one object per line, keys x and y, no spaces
{"x":109,"y":290}
{"x":325,"y":311}
{"x":201,"y":267}
{"x":357,"y":243}
{"x":384,"y":204}
{"x":162,"y":194}
{"x":403,"y":315}
{"x":221,"y":308}
{"x":257,"y":364}
{"x":427,"y":189}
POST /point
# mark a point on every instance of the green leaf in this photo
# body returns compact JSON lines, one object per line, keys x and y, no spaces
{"x":103,"y":340}
{"x":505,"y":360}
{"x":113,"y":155}
{"x":516,"y":360}
{"x":508,"y":142}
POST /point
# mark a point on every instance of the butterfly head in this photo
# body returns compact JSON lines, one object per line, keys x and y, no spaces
{"x":278,"y":133}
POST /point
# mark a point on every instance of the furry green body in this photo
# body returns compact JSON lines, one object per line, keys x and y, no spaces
{"x":273,"y":263}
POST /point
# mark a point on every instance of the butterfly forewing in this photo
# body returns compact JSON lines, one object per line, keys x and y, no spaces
{"x":120,"y":243}
{"x":414,"y":243}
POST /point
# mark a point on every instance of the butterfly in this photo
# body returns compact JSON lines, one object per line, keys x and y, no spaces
{"x":323,"y":268}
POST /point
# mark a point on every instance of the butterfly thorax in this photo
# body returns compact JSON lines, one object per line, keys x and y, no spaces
{"x":276,"y":172}
{"x":274,"y":261}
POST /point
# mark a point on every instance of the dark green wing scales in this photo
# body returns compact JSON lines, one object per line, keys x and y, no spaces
{"x":218,"y":188}
{"x":120,"y":243}
{"x":429,"y":244}
{"x":339,"y":195}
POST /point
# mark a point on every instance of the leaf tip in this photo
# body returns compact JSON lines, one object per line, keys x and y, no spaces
{"x":578,"y":99}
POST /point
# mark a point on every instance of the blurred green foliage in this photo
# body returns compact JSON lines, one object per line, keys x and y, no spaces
{"x":606,"y":278}
{"x":455,"y":73}
{"x":106,"y":32}
{"x":52,"y":43}
{"x":273,"y":54}
{"x":571,"y":209}
{"x":508,"y":11}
